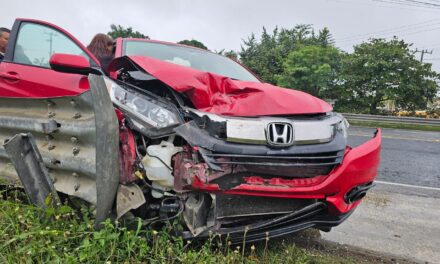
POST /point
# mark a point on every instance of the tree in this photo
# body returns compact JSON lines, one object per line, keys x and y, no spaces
{"x":313,"y":69}
{"x":230,"y":54}
{"x":194,"y":43}
{"x":379,"y":71}
{"x":118,"y":31}
{"x":265,"y":56}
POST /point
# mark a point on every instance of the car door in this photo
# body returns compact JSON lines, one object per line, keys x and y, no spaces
{"x":25,"y":70}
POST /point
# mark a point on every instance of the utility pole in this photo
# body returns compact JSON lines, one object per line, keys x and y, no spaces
{"x":423,"y":51}
{"x":50,"y":40}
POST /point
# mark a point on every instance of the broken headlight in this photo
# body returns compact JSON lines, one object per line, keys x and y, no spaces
{"x":141,"y":107}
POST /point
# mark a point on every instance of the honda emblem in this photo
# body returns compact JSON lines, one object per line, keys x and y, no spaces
{"x":279,"y":134}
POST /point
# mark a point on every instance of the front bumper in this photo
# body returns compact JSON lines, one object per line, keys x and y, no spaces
{"x":358,"y":167}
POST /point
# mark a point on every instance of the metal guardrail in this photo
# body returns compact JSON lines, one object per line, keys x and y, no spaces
{"x":77,"y":137}
{"x":393,"y":119}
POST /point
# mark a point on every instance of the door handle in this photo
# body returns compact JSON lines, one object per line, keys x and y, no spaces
{"x":10,"y":76}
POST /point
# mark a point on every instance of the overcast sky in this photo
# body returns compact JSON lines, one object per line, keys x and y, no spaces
{"x":223,"y":24}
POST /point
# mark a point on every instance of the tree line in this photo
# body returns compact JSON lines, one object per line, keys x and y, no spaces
{"x":376,"y":72}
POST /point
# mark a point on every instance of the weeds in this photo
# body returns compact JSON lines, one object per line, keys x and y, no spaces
{"x":59,"y":235}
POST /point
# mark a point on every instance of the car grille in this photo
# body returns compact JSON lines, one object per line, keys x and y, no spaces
{"x":292,"y":166}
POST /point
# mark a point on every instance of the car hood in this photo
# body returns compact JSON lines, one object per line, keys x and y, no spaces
{"x":221,"y":95}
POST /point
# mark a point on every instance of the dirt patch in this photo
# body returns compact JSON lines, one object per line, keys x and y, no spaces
{"x":377,"y":199}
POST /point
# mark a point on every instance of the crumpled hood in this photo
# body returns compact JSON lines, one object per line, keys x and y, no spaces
{"x":221,"y":95}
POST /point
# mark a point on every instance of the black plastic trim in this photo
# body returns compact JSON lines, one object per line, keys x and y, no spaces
{"x":358,"y":192}
{"x":314,"y":215}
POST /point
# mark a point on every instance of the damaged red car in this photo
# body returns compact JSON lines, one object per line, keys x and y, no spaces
{"x":174,"y":133}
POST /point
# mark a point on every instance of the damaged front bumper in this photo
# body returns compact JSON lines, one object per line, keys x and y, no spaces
{"x":322,"y":200}
{"x":314,"y":215}
{"x":321,"y":171}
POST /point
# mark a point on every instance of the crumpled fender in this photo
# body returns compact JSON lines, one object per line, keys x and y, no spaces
{"x":218,"y":94}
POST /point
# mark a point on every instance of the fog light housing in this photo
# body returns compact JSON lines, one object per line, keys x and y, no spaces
{"x":357,"y":192}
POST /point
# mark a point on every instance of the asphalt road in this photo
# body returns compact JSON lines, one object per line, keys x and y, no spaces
{"x":400,"y":216}
{"x":407,"y":156}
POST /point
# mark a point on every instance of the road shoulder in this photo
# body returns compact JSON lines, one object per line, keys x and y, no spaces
{"x":396,"y":220}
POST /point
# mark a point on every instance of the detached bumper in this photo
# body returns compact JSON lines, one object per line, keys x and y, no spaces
{"x":314,"y":215}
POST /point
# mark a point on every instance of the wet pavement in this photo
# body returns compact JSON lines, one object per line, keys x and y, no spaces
{"x":400,"y":216}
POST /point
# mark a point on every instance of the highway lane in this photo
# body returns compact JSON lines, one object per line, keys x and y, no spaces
{"x":407,"y":156}
{"x":400,"y":215}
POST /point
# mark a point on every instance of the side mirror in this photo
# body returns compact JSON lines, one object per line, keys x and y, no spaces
{"x":69,"y":63}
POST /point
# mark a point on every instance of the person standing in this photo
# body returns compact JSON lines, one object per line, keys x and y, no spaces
{"x":4,"y":37}
{"x":102,"y":47}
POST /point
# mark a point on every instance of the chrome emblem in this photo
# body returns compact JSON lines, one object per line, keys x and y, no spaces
{"x":279,"y":134}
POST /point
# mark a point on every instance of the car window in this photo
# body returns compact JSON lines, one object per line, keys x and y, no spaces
{"x":190,"y":57}
{"x":36,"y":43}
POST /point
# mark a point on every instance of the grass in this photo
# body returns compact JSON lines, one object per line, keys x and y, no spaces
{"x":394,"y":125}
{"x":30,"y":235}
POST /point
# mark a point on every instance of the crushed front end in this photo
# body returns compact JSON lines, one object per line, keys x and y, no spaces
{"x":260,"y":175}
{"x":241,"y":180}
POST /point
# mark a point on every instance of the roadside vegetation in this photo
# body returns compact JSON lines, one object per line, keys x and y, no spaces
{"x":380,"y":74}
{"x":62,"y":235}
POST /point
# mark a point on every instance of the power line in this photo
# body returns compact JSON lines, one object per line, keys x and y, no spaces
{"x":423,"y":3}
{"x":418,"y":4}
{"x":402,"y":28}
{"x":432,"y":45}
{"x":402,"y":33}
{"x":420,"y":31}
{"x":394,"y":7}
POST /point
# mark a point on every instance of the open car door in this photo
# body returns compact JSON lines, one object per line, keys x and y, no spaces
{"x":25,"y":70}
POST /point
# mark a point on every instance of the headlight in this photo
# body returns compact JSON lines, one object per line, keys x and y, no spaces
{"x":141,"y":107}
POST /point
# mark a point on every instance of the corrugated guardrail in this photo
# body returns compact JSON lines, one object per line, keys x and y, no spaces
{"x":393,"y":119}
{"x":77,"y":137}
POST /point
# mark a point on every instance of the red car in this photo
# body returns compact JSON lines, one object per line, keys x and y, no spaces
{"x":174,"y":132}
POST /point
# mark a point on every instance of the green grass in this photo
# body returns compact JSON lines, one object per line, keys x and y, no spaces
{"x":30,"y":235}
{"x":394,"y":125}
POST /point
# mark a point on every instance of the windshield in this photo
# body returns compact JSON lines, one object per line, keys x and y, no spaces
{"x":190,"y":57}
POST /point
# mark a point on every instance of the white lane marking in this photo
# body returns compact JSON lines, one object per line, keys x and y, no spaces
{"x":400,"y":138}
{"x":409,"y":185}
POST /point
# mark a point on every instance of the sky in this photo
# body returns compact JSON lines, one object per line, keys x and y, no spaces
{"x":224,"y":24}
